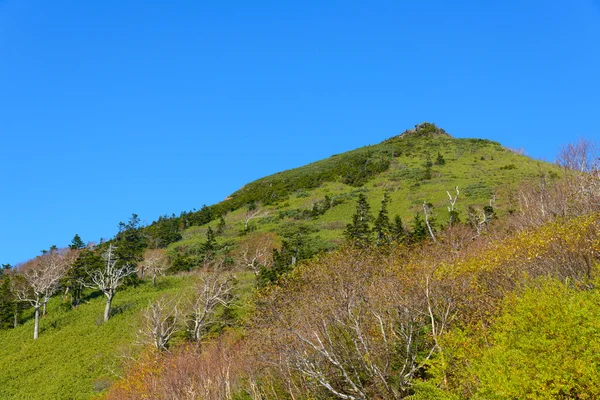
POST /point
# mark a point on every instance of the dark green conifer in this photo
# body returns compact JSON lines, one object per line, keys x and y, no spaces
{"x":8,"y":304}
{"x":76,"y":243}
{"x":382,"y":223}
{"x":211,"y":242}
{"x":358,"y":232}
{"x":398,"y":232}
{"x":440,"y":159}
{"x":221,"y":226}
{"x":419,"y":229}
{"x":86,"y":262}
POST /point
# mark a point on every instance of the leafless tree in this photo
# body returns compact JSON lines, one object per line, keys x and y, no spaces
{"x":159,"y":322}
{"x":256,"y":253}
{"x":108,"y":278}
{"x":154,"y":263}
{"x":581,"y":163}
{"x":252,"y":214}
{"x":452,"y":207}
{"x":210,"y":291}
{"x":42,"y":277}
{"x":427,"y":211}
{"x":583,"y":156}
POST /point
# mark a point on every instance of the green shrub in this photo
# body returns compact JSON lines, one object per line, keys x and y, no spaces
{"x":544,"y":345}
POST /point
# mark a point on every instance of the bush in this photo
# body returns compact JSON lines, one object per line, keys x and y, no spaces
{"x":545,"y":345}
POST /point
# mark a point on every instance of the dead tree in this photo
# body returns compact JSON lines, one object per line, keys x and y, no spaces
{"x":426,"y":210}
{"x":154,"y":263}
{"x":160,"y":321}
{"x":256,"y":253}
{"x":581,"y":164}
{"x":42,"y":278}
{"x":211,"y":291}
{"x":452,"y":207}
{"x":252,"y":214}
{"x":108,"y":278}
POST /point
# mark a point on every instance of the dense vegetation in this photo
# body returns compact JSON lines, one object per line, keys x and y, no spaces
{"x":415,"y":268}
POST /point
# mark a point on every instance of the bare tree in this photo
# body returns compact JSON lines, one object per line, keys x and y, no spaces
{"x":583,"y":156}
{"x":252,"y":214}
{"x":426,"y":211}
{"x":209,"y":292}
{"x":108,"y":278}
{"x":42,"y":277}
{"x":160,"y":321}
{"x":581,"y":163}
{"x":452,"y":207}
{"x":154,"y":263}
{"x":256,"y":252}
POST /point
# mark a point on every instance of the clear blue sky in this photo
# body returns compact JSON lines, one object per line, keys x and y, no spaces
{"x":114,"y":107}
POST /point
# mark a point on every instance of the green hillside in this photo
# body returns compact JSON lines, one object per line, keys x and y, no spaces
{"x":415,"y":167}
{"x":76,"y":355}
{"x":301,"y":212}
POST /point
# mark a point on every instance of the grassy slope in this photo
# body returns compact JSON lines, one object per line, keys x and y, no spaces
{"x":75,"y":355}
{"x":480,"y":168}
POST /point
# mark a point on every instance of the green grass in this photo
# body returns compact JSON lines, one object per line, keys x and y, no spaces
{"x":76,"y":355}
{"x":482,"y":169}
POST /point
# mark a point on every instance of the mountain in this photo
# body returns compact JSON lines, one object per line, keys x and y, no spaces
{"x":422,"y":165}
{"x":281,"y":219}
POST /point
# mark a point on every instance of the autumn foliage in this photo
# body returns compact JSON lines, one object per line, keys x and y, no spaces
{"x":485,"y":311}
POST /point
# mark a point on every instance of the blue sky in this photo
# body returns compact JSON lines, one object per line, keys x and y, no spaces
{"x":114,"y":107}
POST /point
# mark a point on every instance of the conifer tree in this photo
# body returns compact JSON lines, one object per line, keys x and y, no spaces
{"x":130,"y":243}
{"x":86,"y":263}
{"x":440,"y":159}
{"x":398,"y":232}
{"x":76,"y":243}
{"x":419,"y":229}
{"x":382,"y":223}
{"x":9,"y":307}
{"x":211,"y":243}
{"x":359,"y":232}
{"x":221,"y":226}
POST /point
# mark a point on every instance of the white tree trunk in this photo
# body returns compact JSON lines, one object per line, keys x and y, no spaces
{"x":109,"y":298}
{"x":36,"y":325}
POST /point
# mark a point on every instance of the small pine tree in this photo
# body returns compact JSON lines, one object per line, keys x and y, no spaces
{"x":86,"y":262}
{"x":382,"y":223}
{"x":8,"y":304}
{"x":440,"y":159}
{"x":398,"y":231}
{"x":359,"y":232}
{"x":283,"y":262}
{"x":221,"y":226}
{"x":419,"y":229}
{"x":76,"y":243}
{"x":211,"y":242}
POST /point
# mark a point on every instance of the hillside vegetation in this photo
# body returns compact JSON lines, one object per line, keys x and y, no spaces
{"x":398,"y":270}
{"x":319,"y":199}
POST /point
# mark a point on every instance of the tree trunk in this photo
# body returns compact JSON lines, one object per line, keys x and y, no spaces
{"x":44,"y":307}
{"x":107,"y":308}
{"x":36,"y":325}
{"x":76,"y":295}
{"x":154,"y":280}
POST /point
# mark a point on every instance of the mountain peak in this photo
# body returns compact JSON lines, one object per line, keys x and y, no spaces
{"x":425,"y":129}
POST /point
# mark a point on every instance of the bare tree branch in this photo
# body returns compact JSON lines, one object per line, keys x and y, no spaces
{"x":108,"y":278}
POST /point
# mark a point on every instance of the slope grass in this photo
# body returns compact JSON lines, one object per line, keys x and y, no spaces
{"x":483,"y":171}
{"x":76,"y":354}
